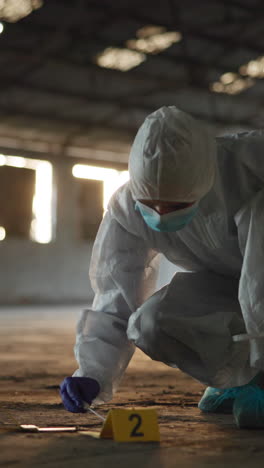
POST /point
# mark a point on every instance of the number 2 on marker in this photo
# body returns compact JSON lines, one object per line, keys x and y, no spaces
{"x":134,"y":432}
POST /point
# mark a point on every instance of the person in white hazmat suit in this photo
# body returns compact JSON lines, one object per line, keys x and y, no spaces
{"x":199,"y":201}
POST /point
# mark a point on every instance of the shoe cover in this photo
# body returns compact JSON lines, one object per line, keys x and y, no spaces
{"x":248,"y":407}
{"x":217,"y":400}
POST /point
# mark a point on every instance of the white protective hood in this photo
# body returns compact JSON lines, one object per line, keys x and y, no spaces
{"x":172,"y":158}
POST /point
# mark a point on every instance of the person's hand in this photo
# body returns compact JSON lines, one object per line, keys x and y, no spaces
{"x":74,"y":391}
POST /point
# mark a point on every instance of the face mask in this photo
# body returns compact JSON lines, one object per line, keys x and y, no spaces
{"x":168,"y":222}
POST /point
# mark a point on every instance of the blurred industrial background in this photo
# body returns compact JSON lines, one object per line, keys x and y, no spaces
{"x":77,"y":80}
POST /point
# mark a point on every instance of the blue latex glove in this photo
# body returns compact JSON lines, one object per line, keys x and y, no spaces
{"x":76,"y":390}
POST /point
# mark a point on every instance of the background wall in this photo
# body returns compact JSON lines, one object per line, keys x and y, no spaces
{"x":46,"y":273}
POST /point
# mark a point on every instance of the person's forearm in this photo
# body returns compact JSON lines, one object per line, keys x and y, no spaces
{"x":101,"y":356}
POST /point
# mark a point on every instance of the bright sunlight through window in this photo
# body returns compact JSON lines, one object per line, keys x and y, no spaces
{"x":41,"y":227}
{"x":111,"y":178}
{"x":2,"y":233}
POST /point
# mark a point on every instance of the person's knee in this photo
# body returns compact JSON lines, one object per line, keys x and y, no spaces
{"x":149,"y":327}
{"x":144,"y":328}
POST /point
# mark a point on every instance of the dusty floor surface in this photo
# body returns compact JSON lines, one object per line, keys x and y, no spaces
{"x":36,"y":354}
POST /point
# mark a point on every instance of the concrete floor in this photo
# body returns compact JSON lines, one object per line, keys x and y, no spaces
{"x":36,"y":354}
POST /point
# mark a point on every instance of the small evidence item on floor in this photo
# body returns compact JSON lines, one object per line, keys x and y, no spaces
{"x":121,"y":425}
{"x":33,"y":428}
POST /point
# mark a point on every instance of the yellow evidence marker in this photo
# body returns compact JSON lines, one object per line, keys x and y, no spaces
{"x":131,"y":425}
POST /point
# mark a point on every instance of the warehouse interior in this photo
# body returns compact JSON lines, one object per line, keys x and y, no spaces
{"x":77,"y":80}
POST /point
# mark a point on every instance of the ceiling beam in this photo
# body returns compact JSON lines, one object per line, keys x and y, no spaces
{"x":88,"y":124}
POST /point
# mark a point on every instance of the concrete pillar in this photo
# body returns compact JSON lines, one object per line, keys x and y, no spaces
{"x":66,"y":203}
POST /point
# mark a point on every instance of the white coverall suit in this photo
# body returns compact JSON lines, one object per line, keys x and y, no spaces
{"x":209,"y":320}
